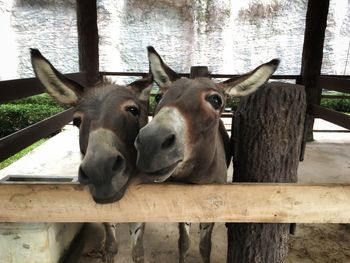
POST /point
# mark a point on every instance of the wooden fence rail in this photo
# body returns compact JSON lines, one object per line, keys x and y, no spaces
{"x":340,"y":84}
{"x":21,"y":88}
{"x":334,"y":83}
{"x":143,"y":74}
{"x":265,"y":203}
{"x":21,"y":139}
{"x":332,"y":116}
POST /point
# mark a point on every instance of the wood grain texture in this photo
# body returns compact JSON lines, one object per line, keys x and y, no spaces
{"x":268,"y":143}
{"x":268,"y":203}
{"x":21,"y":88}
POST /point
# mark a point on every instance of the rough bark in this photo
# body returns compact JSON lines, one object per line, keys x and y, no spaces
{"x":316,"y":23}
{"x":88,"y":39}
{"x":268,"y":135}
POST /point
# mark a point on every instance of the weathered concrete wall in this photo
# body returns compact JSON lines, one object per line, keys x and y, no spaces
{"x":229,"y":36}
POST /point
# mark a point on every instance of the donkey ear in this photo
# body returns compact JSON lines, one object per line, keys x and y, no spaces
{"x":163,"y":75}
{"x":142,"y":87}
{"x":248,"y":83}
{"x":62,"y":89}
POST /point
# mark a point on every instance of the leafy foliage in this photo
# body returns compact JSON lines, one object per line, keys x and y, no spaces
{"x":19,"y":114}
{"x":342,"y":105}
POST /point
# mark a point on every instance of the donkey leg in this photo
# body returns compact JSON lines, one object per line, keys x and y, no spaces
{"x":111,"y":245}
{"x":205,"y":240}
{"x":184,"y":240}
{"x":136,"y":233}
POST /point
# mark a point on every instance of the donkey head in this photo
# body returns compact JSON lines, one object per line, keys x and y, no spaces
{"x":109,"y":118}
{"x":183,"y":138}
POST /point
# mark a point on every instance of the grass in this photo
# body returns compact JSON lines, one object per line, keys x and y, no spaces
{"x":20,"y":154}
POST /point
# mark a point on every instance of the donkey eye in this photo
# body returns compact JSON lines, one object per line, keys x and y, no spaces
{"x":133,"y":110}
{"x":215,"y":101}
{"x":76,"y":121}
{"x":158,"y":97}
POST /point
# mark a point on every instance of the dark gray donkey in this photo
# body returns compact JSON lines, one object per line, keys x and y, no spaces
{"x":109,"y":118}
{"x":186,"y":140}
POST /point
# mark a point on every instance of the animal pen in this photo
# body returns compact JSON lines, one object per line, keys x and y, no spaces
{"x":251,"y":200}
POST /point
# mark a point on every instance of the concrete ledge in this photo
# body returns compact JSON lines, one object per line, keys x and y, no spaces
{"x":35,"y":242}
{"x":58,"y":156}
{"x":56,"y":159}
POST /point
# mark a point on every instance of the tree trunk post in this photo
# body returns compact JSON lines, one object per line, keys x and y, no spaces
{"x":268,"y":135}
{"x":88,"y":39}
{"x":315,"y":28}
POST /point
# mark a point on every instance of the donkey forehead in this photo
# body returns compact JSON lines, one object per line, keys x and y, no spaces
{"x":107,"y":99}
{"x":189,"y":91}
{"x":196,"y":84}
{"x":187,"y":86}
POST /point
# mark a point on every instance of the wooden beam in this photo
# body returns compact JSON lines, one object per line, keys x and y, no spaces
{"x":268,"y":203}
{"x":332,"y":116}
{"x":333,"y":83}
{"x":187,"y":75}
{"x":316,"y":23}
{"x":88,"y":39}
{"x":21,"y":88}
{"x":21,"y":139}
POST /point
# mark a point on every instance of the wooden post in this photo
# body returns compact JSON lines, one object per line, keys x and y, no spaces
{"x":199,"y":71}
{"x":88,"y":39}
{"x":316,"y":22}
{"x":268,"y":144}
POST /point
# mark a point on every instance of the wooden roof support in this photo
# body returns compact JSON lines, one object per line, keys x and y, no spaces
{"x":88,"y":39}
{"x":316,"y":23}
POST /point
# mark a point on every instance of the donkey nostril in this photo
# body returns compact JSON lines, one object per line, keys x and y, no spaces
{"x":82,"y":176}
{"x":118,"y":163}
{"x":168,"y":142}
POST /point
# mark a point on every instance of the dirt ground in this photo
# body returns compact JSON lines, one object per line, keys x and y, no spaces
{"x":312,"y":243}
{"x":324,"y":243}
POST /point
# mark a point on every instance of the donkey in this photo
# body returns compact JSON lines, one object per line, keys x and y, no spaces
{"x":109,"y":118}
{"x":186,"y":140}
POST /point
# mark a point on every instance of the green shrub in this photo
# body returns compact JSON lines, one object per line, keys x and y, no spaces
{"x":17,"y":115}
{"x":232,"y":103}
{"x":342,"y":105}
{"x":43,"y":99}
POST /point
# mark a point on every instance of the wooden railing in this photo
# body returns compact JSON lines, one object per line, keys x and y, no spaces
{"x":11,"y":90}
{"x":340,"y":84}
{"x":21,"y":88}
{"x":241,"y":202}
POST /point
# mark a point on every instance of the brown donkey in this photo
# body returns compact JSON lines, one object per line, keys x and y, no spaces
{"x":186,"y":140}
{"x":109,"y":118}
